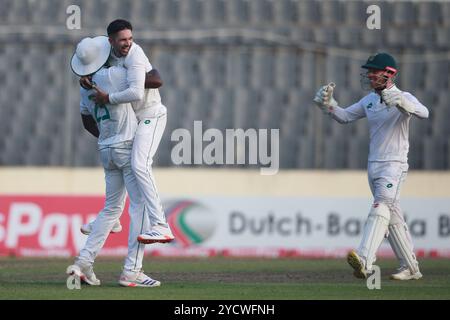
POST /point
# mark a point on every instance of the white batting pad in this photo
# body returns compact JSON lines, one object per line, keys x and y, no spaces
{"x":402,"y":246}
{"x":397,"y":252}
{"x":374,"y":231}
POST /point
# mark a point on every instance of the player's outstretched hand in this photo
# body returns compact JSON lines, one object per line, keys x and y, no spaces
{"x":324,"y":98}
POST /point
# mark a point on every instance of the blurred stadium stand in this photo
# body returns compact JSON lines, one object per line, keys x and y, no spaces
{"x":231,"y":64}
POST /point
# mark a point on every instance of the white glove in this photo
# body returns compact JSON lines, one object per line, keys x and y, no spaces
{"x":324,"y":98}
{"x":318,"y":99}
{"x":395,"y":98}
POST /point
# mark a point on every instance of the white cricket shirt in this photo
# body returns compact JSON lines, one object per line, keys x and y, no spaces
{"x":146,"y":102}
{"x":116,"y":123}
{"x":388,"y":127}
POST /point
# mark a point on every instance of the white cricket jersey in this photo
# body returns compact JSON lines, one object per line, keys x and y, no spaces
{"x":116,"y":123}
{"x":146,"y":102}
{"x":388,"y":127}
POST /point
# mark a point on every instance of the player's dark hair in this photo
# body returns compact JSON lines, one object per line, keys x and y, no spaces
{"x":118,"y":25}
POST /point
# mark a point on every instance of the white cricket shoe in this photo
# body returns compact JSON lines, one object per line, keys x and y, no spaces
{"x":357,"y":263}
{"x":137,"y":279}
{"x":158,"y":233}
{"x":84,"y":271}
{"x":87,"y":228}
{"x":405,"y":274}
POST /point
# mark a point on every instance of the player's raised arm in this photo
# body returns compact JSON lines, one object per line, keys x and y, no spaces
{"x":405,"y":102}
{"x":325,"y":101}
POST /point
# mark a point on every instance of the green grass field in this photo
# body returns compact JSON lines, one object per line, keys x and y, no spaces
{"x":222,"y":278}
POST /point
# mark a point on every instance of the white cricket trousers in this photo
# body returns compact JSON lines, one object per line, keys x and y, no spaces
{"x":385,"y":181}
{"x":119,"y":178}
{"x":146,"y":142}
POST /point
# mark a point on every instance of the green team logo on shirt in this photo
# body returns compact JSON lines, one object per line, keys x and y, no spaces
{"x":147,"y":121}
{"x":369,"y":106}
{"x":98,"y":107}
{"x":389,"y":185}
{"x":99,"y":118}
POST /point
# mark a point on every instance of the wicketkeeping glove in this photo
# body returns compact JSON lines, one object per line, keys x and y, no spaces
{"x":324,"y":98}
{"x":395,"y":98}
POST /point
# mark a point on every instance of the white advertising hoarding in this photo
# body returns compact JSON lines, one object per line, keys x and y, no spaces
{"x":222,"y":225}
{"x":322,"y":226}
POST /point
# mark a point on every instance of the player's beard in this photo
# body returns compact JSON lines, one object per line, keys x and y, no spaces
{"x":120,"y":51}
{"x":124,"y":50}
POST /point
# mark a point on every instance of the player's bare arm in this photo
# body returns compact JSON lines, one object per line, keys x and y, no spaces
{"x":90,"y":125}
{"x":100,"y":97}
{"x":153,"y":80}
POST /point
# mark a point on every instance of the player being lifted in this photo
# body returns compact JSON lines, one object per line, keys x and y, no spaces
{"x":388,"y":111}
{"x":115,"y":127}
{"x":151,"y":115}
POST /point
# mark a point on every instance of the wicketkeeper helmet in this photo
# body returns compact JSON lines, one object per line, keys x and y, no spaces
{"x":380,"y":61}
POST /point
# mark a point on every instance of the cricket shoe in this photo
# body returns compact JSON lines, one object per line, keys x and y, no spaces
{"x":137,"y":279}
{"x":405,"y":274}
{"x":158,"y":233}
{"x":356,"y":262}
{"x":84,"y":271}
{"x":87,"y":228}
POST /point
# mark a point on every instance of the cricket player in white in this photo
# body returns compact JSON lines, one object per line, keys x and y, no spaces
{"x":115,"y":126}
{"x":388,"y":111}
{"x":152,"y":118}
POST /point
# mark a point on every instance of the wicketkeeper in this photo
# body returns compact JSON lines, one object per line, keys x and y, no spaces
{"x":388,"y":111}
